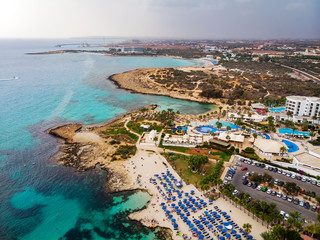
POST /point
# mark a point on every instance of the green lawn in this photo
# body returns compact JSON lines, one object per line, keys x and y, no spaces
{"x":180,"y":164}
{"x":224,"y":156}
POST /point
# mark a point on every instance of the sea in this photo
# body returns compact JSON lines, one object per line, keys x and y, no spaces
{"x":39,"y":199}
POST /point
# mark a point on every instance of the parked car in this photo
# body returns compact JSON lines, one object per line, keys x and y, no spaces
{"x":238,"y":164}
{"x":314,"y":208}
{"x":254,"y":185}
{"x":286,"y":217}
{"x":279,"y":194}
{"x":290,"y":199}
{"x":244,"y":177}
{"x":307,"y":205}
{"x":264,"y":189}
{"x":235,"y":192}
{"x":288,"y":174}
{"x":284,"y":173}
{"x":275,"y":170}
{"x":269,"y":191}
{"x":247,"y":174}
{"x":245,"y":182}
{"x":244,"y":168}
{"x":304,"y":179}
{"x":296,"y":201}
{"x":270,"y":168}
{"x":279,"y":171}
{"x":314,"y":182}
{"x":318,"y":183}
{"x":293,"y":176}
{"x":276,"y":181}
{"x":259,"y":188}
{"x":284,"y":197}
{"x":262,"y":165}
{"x":281,"y":183}
{"x":249,"y":184}
{"x":298,"y":177}
{"x":282,"y":213}
{"x":301,"y":204}
{"x":273,"y":193}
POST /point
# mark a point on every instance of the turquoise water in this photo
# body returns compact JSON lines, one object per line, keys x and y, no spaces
{"x":290,"y":131}
{"x":40,"y":200}
{"x":277,"y":109}
{"x":292,"y":147}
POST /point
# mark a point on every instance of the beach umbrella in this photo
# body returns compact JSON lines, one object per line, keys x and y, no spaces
{"x":156,"y":175}
{"x":185,"y":208}
{"x":209,"y":216}
{"x":178,"y":211}
{"x":226,"y":223}
{"x":212,"y":219}
{"x":203,"y":219}
{"x":176,"y":207}
{"x":228,"y":216}
{"x":185,"y":218}
{"x":169,"y":190}
{"x":174,"y":197}
{"x":173,"y":204}
{"x":194,"y":229}
{"x":188,"y":222}
{"x":204,"y":203}
{"x":163,"y":204}
{"x":153,"y":180}
{"x":175,"y":225}
{"x":170,"y":216}
{"x":228,"y":235}
{"x":186,"y":194}
{"x":214,"y":213}
{"x":197,"y":222}
{"x":220,"y":227}
{"x":201,"y":237}
{"x":224,"y":213}
{"x":173,"y":220}
{"x":196,"y":203}
{"x":162,"y":173}
{"x":191,"y":225}
{"x":223,"y":230}
{"x":222,"y":238}
{"x":210,"y":226}
{"x":180,"y":195}
{"x":200,"y":226}
{"x":199,"y":232}
{"x":250,"y":237}
{"x":182,"y":205}
{"x":238,"y":236}
{"x":206,"y":212}
{"x":210,"y":201}
{"x":185,"y":200}
{"x":164,"y":208}
{"x":168,"y":198}
{"x":218,"y":216}
{"x":233,"y":232}
{"x":193,"y":209}
{"x":206,"y":222}
{"x":167,"y":212}
{"x":182,"y":214}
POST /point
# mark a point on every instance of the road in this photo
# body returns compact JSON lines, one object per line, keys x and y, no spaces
{"x":312,"y":77}
{"x":283,"y":205}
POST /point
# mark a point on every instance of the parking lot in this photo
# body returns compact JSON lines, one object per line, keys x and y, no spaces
{"x":283,"y":205}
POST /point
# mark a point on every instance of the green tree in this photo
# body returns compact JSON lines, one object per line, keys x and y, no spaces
{"x":220,"y":108}
{"x":218,"y":124}
{"x":247,"y":227}
{"x":197,"y":161}
{"x":255,"y":135}
{"x":228,"y":128}
{"x":283,"y":150}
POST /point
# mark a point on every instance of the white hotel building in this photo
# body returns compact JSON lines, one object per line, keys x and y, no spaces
{"x":303,"y":106}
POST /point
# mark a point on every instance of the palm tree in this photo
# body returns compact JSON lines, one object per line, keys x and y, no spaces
{"x":289,"y":114}
{"x":247,"y":227}
{"x":220,"y":108}
{"x":283,"y":150}
{"x":313,"y":118}
{"x":255,"y":135}
{"x":228,"y":137}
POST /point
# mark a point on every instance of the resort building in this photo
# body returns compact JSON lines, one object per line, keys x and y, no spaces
{"x":303,"y":106}
{"x":269,"y":147}
{"x":235,"y":140}
{"x":246,"y":117}
{"x":309,"y":159}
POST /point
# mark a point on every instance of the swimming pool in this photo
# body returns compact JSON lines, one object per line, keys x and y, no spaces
{"x":280,"y":109}
{"x":290,"y":131}
{"x":206,"y":129}
{"x":292,"y":147}
{"x":224,"y":124}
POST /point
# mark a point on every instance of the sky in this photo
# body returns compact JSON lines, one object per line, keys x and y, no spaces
{"x":180,"y":19}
